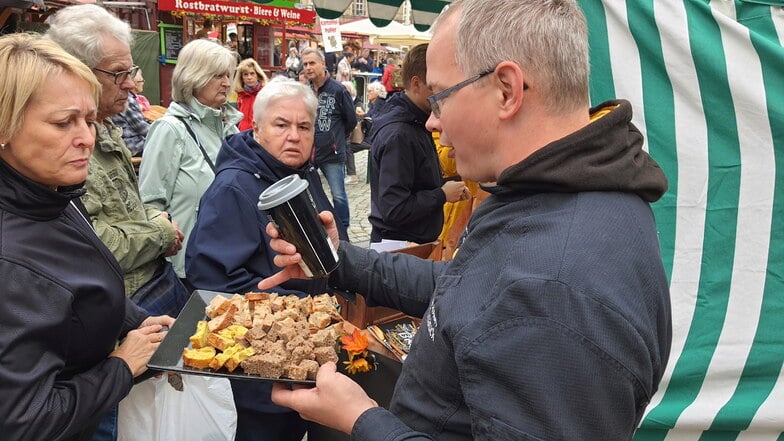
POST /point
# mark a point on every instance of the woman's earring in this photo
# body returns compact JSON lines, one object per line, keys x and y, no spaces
{"x":2,"y":146}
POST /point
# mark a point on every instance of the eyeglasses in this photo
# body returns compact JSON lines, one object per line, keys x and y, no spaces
{"x":119,"y":77}
{"x":434,"y":99}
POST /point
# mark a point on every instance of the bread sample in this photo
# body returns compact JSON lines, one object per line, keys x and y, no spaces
{"x":268,"y":335}
{"x":199,"y":339}
{"x":198,"y":358}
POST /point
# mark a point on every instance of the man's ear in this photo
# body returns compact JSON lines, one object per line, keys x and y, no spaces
{"x":510,"y":82}
{"x":419,"y":86}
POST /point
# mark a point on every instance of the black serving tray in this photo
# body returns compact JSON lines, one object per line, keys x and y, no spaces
{"x":168,"y":356}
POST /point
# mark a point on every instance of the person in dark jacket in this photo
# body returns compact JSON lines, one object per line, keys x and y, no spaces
{"x":229,"y":249}
{"x":552,"y":321}
{"x":406,"y":193}
{"x":64,"y":304}
{"x":335,"y":120}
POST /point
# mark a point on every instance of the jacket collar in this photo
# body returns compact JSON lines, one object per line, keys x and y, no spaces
{"x":605,"y":155}
{"x":23,"y":197}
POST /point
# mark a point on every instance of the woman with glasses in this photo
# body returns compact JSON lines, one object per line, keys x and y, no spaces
{"x":64,"y":305}
{"x":179,"y":155}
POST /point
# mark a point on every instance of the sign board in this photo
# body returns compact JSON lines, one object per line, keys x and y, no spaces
{"x":171,"y":42}
{"x":243,"y":11}
{"x":330,"y":35}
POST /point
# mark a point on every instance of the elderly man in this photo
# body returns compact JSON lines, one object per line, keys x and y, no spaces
{"x":139,"y":236}
{"x":553,"y":320}
{"x":228,"y":250}
{"x":335,"y":120}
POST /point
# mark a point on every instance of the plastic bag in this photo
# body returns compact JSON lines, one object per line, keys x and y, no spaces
{"x":155,"y":410}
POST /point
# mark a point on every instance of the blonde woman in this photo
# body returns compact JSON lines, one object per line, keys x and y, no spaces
{"x":64,"y":303}
{"x":248,"y":81}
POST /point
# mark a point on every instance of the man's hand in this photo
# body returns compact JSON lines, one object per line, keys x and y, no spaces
{"x":335,"y":402}
{"x":179,"y":236}
{"x":456,"y":191}
{"x":288,"y":258}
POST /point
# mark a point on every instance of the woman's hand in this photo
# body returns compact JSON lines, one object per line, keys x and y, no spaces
{"x":336,"y":401}
{"x":139,"y":345}
{"x":163,"y":320}
{"x":288,"y":258}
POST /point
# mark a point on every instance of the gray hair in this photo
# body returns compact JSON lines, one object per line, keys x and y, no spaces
{"x":80,"y":30}
{"x":349,"y":85}
{"x":310,"y":50}
{"x":282,"y":87}
{"x":547,"y":39}
{"x":379,"y":88}
{"x":198,"y":62}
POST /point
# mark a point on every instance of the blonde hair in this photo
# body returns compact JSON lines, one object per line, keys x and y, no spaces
{"x":197,"y":63}
{"x":35,"y":60}
{"x":248,"y":63}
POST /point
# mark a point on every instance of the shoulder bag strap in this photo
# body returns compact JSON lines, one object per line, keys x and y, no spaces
{"x":196,"y":139}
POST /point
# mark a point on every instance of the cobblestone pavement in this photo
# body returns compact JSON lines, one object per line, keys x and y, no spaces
{"x":359,"y":202}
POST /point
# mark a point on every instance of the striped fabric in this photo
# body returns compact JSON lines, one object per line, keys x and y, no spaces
{"x":706,"y":79}
{"x":381,"y":12}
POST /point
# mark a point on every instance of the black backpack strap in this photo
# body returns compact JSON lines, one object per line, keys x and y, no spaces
{"x":196,"y":139}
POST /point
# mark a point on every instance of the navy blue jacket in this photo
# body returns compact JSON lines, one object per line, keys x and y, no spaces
{"x":406,"y":200}
{"x":335,"y":120}
{"x":229,"y":249}
{"x":553,"y":320}
{"x":64,"y":308}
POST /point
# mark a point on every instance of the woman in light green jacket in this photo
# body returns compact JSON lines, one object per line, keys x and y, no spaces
{"x":182,"y":146}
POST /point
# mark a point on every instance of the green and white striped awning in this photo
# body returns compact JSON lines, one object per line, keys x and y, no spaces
{"x":706,"y":78}
{"x":381,"y":12}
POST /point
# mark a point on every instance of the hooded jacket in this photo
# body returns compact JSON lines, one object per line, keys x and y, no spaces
{"x":230,"y":250}
{"x":553,"y":319}
{"x":63,"y":311}
{"x":174,"y":173}
{"x":406,"y":200}
{"x":335,"y":120}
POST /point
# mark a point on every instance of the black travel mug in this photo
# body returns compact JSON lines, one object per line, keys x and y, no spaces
{"x":290,"y":207}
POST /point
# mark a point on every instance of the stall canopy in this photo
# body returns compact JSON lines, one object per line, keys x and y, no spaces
{"x":394,"y":33}
{"x":382,"y":12}
{"x":705,"y":81}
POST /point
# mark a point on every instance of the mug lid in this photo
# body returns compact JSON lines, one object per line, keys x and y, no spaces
{"x":282,"y":191}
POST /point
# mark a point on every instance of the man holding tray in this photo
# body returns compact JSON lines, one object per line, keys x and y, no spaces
{"x":228,"y":249}
{"x":553,"y":320}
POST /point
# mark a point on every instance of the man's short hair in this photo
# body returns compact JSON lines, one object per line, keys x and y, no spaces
{"x":548,"y":40}
{"x":415,"y":65}
{"x":310,"y":50}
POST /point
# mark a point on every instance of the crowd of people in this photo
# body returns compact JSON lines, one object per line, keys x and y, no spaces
{"x":521,"y":326}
